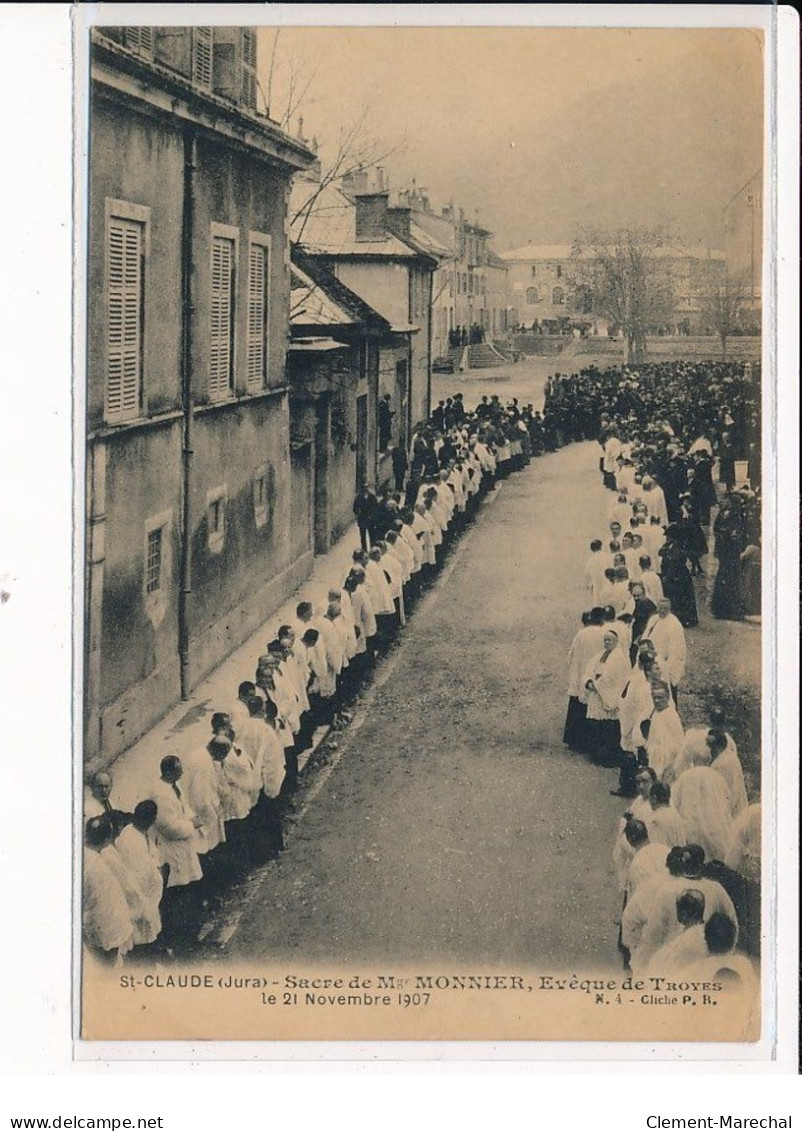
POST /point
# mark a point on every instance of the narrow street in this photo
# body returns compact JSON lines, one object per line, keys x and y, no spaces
{"x":455,"y":824}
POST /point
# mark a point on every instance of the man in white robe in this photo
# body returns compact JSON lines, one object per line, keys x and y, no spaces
{"x":650,"y":920}
{"x":402,"y":553}
{"x":364,"y":618}
{"x":238,"y":711}
{"x":106,"y":919}
{"x":621,"y":510}
{"x":655,"y":500}
{"x":650,"y":580}
{"x":724,"y":964}
{"x":648,"y":860}
{"x":637,"y":810}
{"x":695,"y":748}
{"x":668,"y":637}
{"x":702,"y":800}
{"x":594,"y":578}
{"x":97,"y":796}
{"x":663,"y":821}
{"x":725,"y":762}
{"x":422,"y":529}
{"x":138,"y":854}
{"x":177,"y":835}
{"x":665,"y":733}
{"x":586,"y":644}
{"x":616,"y":593}
{"x":378,"y":583}
{"x":689,"y":945}
{"x":204,"y":787}
{"x":394,"y":575}
{"x":744,"y":852}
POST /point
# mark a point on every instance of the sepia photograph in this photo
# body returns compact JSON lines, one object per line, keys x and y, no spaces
{"x":423,"y":480}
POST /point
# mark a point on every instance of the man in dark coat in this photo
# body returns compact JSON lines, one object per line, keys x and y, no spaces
{"x":365,"y":505}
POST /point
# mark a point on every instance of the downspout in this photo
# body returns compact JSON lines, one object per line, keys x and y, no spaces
{"x":429,"y":347}
{"x":187,"y":314}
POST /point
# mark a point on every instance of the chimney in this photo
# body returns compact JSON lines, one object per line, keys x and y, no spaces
{"x":398,"y":221}
{"x":355,"y":183}
{"x":371,"y":215}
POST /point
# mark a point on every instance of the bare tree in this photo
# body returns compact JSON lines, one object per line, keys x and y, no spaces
{"x":723,"y":307}
{"x":629,"y":280}
{"x":352,"y":152}
{"x":289,"y":96}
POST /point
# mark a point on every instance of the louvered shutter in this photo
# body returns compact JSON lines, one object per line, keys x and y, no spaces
{"x":202,"y":57}
{"x":257,"y":316}
{"x":249,"y":47}
{"x":124,"y":330}
{"x":140,"y":39}
{"x":248,"y":96}
{"x":222,"y":317}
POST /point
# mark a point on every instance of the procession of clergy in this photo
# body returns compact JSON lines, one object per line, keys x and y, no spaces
{"x":687,"y":848}
{"x":149,"y":876}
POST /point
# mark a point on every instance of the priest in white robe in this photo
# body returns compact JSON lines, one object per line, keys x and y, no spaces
{"x":177,"y":836}
{"x":605,"y":679}
{"x":140,"y":859}
{"x":665,"y":733}
{"x":668,"y":637}
{"x":106,"y":918}
{"x":702,"y":800}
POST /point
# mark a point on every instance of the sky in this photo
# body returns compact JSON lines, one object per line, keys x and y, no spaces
{"x":538,"y":131}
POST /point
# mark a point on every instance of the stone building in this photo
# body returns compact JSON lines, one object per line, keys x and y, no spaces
{"x":546,"y":286}
{"x":192,"y":539}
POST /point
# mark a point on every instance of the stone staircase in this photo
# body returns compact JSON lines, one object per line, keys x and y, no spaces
{"x":484,"y":355}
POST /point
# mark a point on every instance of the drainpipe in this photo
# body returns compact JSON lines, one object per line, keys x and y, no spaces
{"x":187,"y":314}
{"x":429,"y":347}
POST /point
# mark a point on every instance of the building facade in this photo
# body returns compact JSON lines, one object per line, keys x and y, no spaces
{"x":546,"y":288}
{"x":365,"y":245}
{"x":334,"y":380}
{"x":191,"y":531}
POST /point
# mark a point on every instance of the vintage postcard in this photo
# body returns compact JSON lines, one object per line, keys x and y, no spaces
{"x":422,"y":385}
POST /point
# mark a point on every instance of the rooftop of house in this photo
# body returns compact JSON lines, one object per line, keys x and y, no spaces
{"x":319,"y":298}
{"x":323,"y":222}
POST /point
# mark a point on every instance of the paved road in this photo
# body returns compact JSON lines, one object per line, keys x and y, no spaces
{"x":455,"y":824}
{"x":524,"y":380}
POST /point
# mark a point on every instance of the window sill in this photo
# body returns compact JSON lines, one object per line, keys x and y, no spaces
{"x":110,"y":429}
{"x":241,"y":399}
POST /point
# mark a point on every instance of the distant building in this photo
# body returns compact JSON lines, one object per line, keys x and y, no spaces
{"x":470,"y":284}
{"x":546,"y":285}
{"x":191,"y":539}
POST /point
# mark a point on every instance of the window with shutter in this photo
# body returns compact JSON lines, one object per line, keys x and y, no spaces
{"x":258,"y":267}
{"x":249,"y":88}
{"x":125,"y":252}
{"x":202,"y":57}
{"x":248,"y":96}
{"x":140,"y":39}
{"x":249,"y":47}
{"x":221,"y":330}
